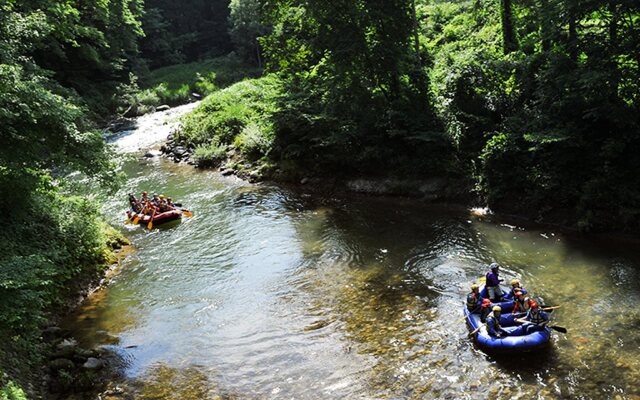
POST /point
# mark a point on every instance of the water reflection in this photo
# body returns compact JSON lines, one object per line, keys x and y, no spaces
{"x":272,"y":293}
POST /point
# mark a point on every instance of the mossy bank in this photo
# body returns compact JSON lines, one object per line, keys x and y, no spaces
{"x":51,"y":261}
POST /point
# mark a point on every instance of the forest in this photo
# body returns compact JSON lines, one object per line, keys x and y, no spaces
{"x":531,"y":106}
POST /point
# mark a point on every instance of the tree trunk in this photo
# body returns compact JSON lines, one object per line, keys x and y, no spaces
{"x":510,"y":42}
{"x":258,"y":57}
{"x":545,"y":25}
{"x":416,"y":37}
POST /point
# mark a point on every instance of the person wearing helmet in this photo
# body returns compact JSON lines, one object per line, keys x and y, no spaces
{"x":522,"y":303}
{"x":474,"y":299}
{"x":162,"y":204}
{"x":493,"y":323}
{"x":535,"y":320}
{"x":485,"y":310}
{"x":144,"y":198}
{"x":493,"y":283}
{"x":170,"y":204}
{"x":515,"y":285}
{"x":156,"y":200}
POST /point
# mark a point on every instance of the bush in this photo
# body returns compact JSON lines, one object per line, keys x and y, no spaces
{"x":254,"y":141}
{"x":11,"y":391}
{"x":209,"y":155}
{"x":240,"y":114}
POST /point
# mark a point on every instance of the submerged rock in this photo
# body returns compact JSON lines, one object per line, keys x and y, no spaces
{"x":163,"y":107}
{"x":93,"y":363}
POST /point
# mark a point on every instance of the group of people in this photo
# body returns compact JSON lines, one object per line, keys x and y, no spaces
{"x":526,"y":312}
{"x":150,"y":205}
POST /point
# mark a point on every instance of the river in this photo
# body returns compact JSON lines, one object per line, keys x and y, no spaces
{"x":270,"y":292}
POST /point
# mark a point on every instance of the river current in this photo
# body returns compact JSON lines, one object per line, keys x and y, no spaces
{"x":270,"y":292}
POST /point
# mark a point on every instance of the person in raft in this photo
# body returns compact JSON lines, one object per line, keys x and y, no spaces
{"x":493,"y":323}
{"x":474,"y":299}
{"x":522,"y":303}
{"x":493,"y":283}
{"x":134,"y":203}
{"x":535,"y":320}
{"x":515,"y":285}
{"x":485,"y":310}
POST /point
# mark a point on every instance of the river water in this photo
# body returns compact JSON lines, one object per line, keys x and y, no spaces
{"x":269,"y":292}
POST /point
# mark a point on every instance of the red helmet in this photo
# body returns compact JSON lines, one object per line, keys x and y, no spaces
{"x":486,"y":303}
{"x":144,"y":193}
{"x":533,"y":304}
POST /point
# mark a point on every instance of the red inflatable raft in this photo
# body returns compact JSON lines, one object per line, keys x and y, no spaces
{"x":159,"y":218}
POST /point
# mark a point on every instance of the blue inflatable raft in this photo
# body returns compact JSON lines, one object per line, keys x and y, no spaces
{"x":516,"y":342}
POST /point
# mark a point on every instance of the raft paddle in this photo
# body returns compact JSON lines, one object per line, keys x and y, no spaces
{"x":558,"y":328}
{"x":187,"y":213}
{"x":151,"y":219}
{"x":137,"y":219}
{"x":475,"y":330}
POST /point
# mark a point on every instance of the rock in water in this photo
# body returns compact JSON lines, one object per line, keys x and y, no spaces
{"x":196,"y":95}
{"x":93,"y":363}
{"x":152,"y":153}
{"x":163,"y":107}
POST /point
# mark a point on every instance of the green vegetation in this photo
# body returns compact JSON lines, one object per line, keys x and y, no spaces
{"x":534,"y":105}
{"x":11,"y":391}
{"x":174,"y":85}
{"x":240,"y":115}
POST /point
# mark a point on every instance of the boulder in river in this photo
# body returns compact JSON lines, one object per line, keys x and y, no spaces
{"x":196,"y":96}
{"x":163,"y":107}
{"x":152,"y":153}
{"x":228,"y":172}
{"x":93,"y":363}
{"x":179,"y":151}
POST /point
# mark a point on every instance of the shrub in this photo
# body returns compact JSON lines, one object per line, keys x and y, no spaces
{"x":254,"y":141}
{"x":209,"y":155}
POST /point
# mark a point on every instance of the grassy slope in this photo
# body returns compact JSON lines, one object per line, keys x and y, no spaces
{"x":173,"y":85}
{"x":239,"y":115}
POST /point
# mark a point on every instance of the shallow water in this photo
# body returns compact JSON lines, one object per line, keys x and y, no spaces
{"x":270,"y":292}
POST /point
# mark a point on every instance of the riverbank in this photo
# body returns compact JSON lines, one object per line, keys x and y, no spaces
{"x":45,"y":361}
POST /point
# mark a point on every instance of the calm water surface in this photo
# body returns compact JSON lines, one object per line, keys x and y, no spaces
{"x":271,"y":293}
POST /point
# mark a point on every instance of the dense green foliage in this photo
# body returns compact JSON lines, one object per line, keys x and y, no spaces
{"x":240,"y":115}
{"x":356,"y":96}
{"x":546,"y":117}
{"x":534,"y":104}
{"x":184,"y":31}
{"x":49,"y":239}
{"x":175,"y":84}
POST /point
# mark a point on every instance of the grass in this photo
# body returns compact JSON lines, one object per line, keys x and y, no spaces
{"x":240,"y":115}
{"x":174,"y":85}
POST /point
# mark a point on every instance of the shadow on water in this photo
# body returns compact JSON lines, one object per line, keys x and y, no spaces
{"x":275,"y":293}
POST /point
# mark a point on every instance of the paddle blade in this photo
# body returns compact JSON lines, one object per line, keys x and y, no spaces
{"x":135,"y":221}
{"x":558,"y":328}
{"x":150,"y":226}
{"x":187,"y":213}
{"x":127,"y":221}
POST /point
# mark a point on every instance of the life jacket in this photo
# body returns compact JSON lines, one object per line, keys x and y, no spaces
{"x":472,"y":301}
{"x":536,"y":318}
{"x":521,"y":305}
{"x":493,"y":324}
